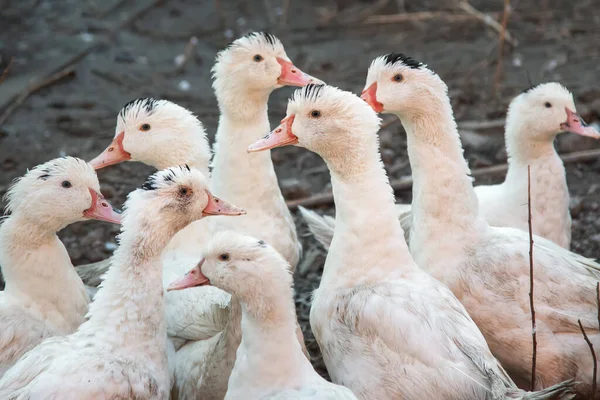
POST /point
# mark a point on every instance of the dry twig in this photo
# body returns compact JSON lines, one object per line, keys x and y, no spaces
{"x":285,"y":7}
{"x":598,"y":301}
{"x":500,"y":64}
{"x":531,"y":306}
{"x":405,"y":182}
{"x":416,"y":16}
{"x":591,"y":346}
{"x":5,"y":72}
{"x":488,"y":20}
{"x":31,"y":89}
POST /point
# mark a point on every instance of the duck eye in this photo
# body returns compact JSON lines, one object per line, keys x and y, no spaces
{"x":145,"y":127}
{"x":547,"y":104}
{"x":66,"y":184}
{"x":258,"y":58}
{"x":398,"y":78}
{"x":315,"y":113}
{"x":224,"y":257}
{"x":184,"y":191}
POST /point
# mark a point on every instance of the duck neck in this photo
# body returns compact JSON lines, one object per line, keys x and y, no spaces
{"x":272,"y":353}
{"x":523,"y":152}
{"x":443,"y":194}
{"x":233,"y":330}
{"x":367,"y":231}
{"x":244,"y":119}
{"x":36,"y":266}
{"x":129,"y":307}
{"x":196,"y":156}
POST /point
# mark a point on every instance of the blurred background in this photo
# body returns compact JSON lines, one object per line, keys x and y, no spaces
{"x":75,"y":63}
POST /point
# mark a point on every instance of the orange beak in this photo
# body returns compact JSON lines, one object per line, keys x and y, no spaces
{"x":193,"y":278}
{"x":101,"y":209}
{"x":280,"y":136}
{"x":370,"y":96}
{"x":113,"y":154}
{"x":576,"y":124}
{"x":217,"y":206}
{"x":292,"y":76}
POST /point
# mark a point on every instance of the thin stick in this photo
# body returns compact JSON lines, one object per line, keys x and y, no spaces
{"x":416,"y":16}
{"x":591,"y":346}
{"x":531,"y":306}
{"x":598,"y":301}
{"x":500,"y":63}
{"x":60,"y":75}
{"x":406,"y":182}
{"x":6,"y":70}
{"x":285,"y":7}
{"x":487,"y":20}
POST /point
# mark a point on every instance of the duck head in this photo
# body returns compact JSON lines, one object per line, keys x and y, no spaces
{"x":159,"y":133}
{"x":542,"y":112}
{"x":331,"y":122}
{"x":60,"y":192}
{"x":238,"y":264}
{"x":256,"y":62}
{"x":399,"y":84}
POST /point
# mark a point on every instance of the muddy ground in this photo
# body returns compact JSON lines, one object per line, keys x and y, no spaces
{"x":107,"y":53}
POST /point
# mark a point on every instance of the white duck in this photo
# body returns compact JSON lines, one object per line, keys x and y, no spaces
{"x":245,"y":74}
{"x":163,"y":134}
{"x":534,"y":119}
{"x":386,"y":328}
{"x":270,"y":363}
{"x":120,"y":352}
{"x":486,"y":267}
{"x":44,"y":296}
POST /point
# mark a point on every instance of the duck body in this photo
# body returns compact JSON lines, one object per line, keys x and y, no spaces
{"x":44,"y":298}
{"x":505,"y":205}
{"x":487,"y":268}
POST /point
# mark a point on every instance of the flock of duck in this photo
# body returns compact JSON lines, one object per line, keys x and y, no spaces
{"x":428,"y":301}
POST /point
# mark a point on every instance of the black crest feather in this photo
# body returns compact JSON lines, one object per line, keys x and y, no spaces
{"x":150,"y":183}
{"x":147,"y":104}
{"x":312,"y":91}
{"x":410,"y":62}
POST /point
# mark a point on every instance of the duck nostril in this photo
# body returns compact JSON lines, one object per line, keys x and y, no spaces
{"x":111,"y":149}
{"x":278,"y":130}
{"x":104,"y":204}
{"x":294,"y":71}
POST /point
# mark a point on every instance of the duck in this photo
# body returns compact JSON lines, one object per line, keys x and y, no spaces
{"x":162,"y":134}
{"x":534,"y":119}
{"x":121,"y":350}
{"x":245,"y":74}
{"x":44,"y":296}
{"x":487,"y":268}
{"x":270,"y":363}
{"x":386,"y":328}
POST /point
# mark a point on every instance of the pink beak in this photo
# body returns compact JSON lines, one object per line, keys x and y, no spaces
{"x":217,"y":206}
{"x":193,"y":278}
{"x":113,"y":154}
{"x":576,"y":124}
{"x":292,"y":76}
{"x":101,"y":209}
{"x":370,"y":96}
{"x":280,"y":136}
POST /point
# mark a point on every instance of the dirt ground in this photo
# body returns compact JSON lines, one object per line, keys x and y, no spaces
{"x":107,"y":53}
